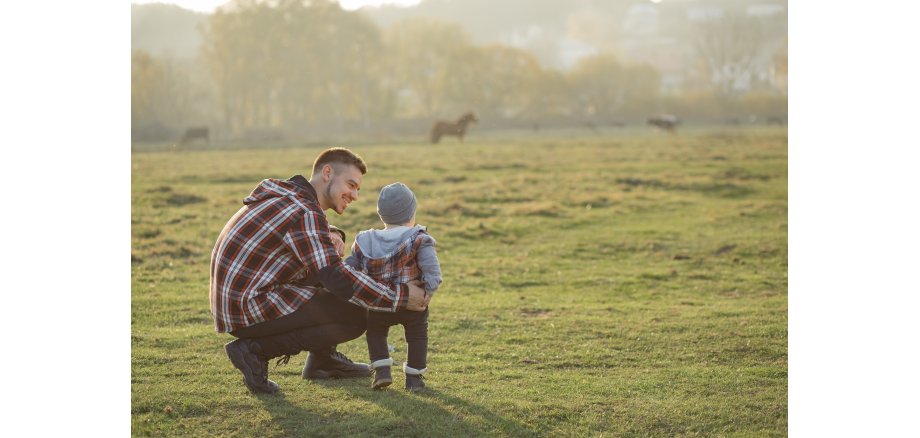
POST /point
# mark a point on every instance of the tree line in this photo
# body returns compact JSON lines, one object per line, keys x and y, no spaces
{"x":302,"y":68}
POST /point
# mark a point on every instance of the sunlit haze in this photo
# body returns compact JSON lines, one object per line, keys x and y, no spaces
{"x":211,"y":5}
{"x":302,"y":72}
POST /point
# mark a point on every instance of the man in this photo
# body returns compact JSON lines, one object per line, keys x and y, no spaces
{"x":278,"y":282}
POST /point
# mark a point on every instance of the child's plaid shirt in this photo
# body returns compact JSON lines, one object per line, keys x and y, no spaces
{"x":399,"y":266}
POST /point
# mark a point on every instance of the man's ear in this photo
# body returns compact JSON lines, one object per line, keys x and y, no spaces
{"x":327,"y":172}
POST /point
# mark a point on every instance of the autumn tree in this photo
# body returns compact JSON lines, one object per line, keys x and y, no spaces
{"x":293,"y":64}
{"x":730,"y":46}
{"x":602,"y":87}
{"x":167,"y":94}
{"x":495,"y":80}
{"x":549,"y":96}
{"x":147,"y":79}
{"x":420,"y":52}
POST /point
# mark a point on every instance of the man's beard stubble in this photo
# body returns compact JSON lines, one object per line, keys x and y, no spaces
{"x":329,"y":194}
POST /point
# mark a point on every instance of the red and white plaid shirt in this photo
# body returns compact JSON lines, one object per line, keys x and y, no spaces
{"x":399,"y":266}
{"x":274,"y":251}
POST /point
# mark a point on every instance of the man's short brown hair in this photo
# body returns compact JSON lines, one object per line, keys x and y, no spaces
{"x":340,"y":156}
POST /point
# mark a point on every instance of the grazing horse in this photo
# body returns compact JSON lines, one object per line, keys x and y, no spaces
{"x":776,"y":120}
{"x":196,"y":133}
{"x":666,"y":122}
{"x":458,"y":128}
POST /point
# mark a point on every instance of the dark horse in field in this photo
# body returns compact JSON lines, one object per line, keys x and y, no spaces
{"x":666,"y":122}
{"x":458,"y":128}
{"x":195,"y":133}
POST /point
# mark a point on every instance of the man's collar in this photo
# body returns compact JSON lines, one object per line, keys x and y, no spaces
{"x":303,"y":184}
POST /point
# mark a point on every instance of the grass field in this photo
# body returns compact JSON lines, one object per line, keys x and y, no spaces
{"x":615,"y":285}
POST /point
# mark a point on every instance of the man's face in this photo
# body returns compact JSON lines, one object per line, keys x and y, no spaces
{"x":343,"y":187}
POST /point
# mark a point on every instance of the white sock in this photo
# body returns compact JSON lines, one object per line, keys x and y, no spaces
{"x":382,"y":363}
{"x":412,"y":371}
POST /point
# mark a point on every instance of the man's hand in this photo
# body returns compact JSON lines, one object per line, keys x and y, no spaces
{"x":418,"y":299}
{"x":339,"y":244}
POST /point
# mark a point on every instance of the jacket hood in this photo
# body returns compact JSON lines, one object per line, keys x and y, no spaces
{"x":296,"y":186}
{"x":381,"y":243}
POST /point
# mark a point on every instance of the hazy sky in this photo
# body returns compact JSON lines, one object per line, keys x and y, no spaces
{"x":210,"y":5}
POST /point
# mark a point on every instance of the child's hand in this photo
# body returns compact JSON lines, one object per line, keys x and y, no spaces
{"x":428,"y":298}
{"x":418,"y":298}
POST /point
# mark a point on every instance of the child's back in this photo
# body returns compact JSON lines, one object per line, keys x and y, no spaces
{"x":397,"y":255}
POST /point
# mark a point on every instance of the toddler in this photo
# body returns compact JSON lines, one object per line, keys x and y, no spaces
{"x":399,"y":253}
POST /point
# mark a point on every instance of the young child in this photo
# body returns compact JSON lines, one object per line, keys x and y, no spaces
{"x":399,"y":253}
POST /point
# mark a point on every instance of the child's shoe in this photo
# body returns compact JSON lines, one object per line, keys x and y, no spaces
{"x":414,"y":379}
{"x":415,"y":382}
{"x":382,"y":376}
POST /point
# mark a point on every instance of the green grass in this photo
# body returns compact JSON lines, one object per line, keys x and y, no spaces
{"x":615,"y":285}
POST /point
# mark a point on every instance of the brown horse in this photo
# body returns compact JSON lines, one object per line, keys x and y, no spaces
{"x":458,"y":128}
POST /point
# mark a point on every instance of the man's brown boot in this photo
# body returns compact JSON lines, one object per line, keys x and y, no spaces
{"x":254,"y":369}
{"x":329,"y":363}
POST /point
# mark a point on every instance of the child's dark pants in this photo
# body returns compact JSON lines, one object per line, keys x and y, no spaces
{"x":416,"y":328}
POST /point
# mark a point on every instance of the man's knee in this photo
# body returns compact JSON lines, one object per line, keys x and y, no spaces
{"x":358,"y":320}
{"x":357,"y":329}
{"x":355,"y":323}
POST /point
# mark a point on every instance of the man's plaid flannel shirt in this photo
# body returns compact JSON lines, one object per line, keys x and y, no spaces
{"x":273,"y":252}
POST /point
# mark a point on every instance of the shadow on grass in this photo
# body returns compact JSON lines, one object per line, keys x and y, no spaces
{"x":429,"y":413}
{"x":432,"y":412}
{"x":293,"y":420}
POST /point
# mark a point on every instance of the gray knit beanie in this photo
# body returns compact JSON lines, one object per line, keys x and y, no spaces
{"x":396,"y":204}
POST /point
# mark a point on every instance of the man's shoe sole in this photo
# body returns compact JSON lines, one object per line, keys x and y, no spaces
{"x":335,"y":374}
{"x":238,"y":359}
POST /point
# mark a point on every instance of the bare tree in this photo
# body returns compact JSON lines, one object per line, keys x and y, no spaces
{"x":730,"y":46}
